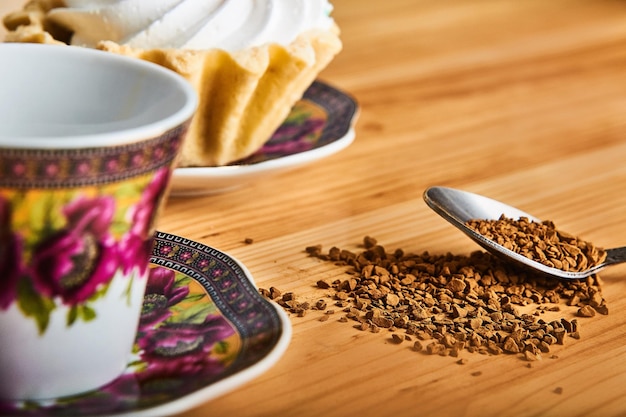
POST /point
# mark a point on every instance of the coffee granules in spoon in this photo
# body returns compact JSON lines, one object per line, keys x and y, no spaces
{"x":452,"y":303}
{"x":541,"y":242}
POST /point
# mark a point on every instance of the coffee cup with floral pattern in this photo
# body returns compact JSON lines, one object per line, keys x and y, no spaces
{"x":88,"y":142}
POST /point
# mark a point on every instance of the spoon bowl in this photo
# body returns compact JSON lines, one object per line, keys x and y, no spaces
{"x":457,"y":207}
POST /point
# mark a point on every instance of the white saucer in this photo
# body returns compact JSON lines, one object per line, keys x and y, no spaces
{"x":319,"y":125}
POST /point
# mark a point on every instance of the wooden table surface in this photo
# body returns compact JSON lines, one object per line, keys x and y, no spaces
{"x":522,"y":101}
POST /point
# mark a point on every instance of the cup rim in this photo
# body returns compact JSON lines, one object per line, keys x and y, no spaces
{"x":111,"y":138}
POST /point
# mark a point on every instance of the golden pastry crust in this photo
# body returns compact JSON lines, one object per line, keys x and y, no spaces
{"x":29,"y":24}
{"x":243,"y":96}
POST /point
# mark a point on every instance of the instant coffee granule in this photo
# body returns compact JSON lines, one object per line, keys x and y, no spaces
{"x":451,"y":303}
{"x":541,"y":242}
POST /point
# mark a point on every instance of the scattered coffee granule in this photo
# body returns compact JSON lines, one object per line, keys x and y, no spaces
{"x":362,"y":326}
{"x":558,"y":390}
{"x":314,"y":250}
{"x":323,"y":284}
{"x":287,"y":300}
{"x":455,"y":302}
{"x":586,"y":311}
{"x":541,"y":242}
{"x":248,"y":241}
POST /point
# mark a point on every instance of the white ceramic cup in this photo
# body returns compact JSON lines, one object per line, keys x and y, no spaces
{"x":88,"y":141}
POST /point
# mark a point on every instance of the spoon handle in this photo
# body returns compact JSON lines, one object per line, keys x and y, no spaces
{"x":615,"y":256}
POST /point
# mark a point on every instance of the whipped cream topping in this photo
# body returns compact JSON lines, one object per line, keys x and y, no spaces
{"x":231,"y":25}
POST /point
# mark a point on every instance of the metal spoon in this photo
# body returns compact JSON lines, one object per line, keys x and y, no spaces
{"x":457,"y":207}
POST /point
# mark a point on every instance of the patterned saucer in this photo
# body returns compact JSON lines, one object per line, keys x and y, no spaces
{"x":319,"y":125}
{"x":204,"y":331}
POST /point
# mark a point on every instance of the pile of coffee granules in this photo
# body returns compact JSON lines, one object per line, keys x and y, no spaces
{"x":448,"y":303}
{"x":541,"y":242}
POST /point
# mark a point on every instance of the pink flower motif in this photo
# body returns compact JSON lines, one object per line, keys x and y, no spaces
{"x":76,"y":260}
{"x":136,"y":245}
{"x":137,"y":159}
{"x":135,"y":251}
{"x":165,"y":250}
{"x":161,"y":293}
{"x":93,"y":215}
{"x":73,"y":266}
{"x":159,"y":153}
{"x":185,"y":256}
{"x":19,"y":169}
{"x":83,"y":168}
{"x":179,"y":349}
{"x":112,"y":165}
{"x":52,"y":170}
{"x":143,"y":213}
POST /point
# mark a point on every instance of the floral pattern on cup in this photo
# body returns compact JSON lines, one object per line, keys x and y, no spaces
{"x":62,"y":247}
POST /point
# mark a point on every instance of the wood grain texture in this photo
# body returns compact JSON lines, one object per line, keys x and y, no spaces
{"x":523,"y":101}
